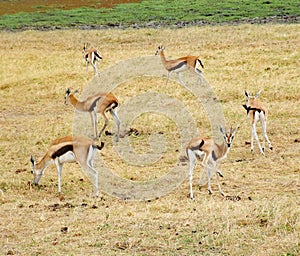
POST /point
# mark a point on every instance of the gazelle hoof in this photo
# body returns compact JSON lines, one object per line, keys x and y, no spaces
{"x":220,"y":174}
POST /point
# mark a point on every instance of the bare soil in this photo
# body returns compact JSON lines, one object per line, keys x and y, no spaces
{"x":260,"y":214}
{"x":11,"y":7}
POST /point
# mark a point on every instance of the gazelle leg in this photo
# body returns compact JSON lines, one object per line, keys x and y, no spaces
{"x":264,"y":131}
{"x":105,"y":124}
{"x":252,"y":137}
{"x":169,"y":73}
{"x":89,"y":164}
{"x":181,"y":81}
{"x":204,"y":161}
{"x":192,"y":158}
{"x":94,"y":123}
{"x":118,"y":122}
{"x":59,"y":172}
{"x":95,"y":176}
{"x":254,"y":134}
{"x":208,"y":178}
{"x":219,"y":185}
{"x":199,"y":73}
{"x":95,"y":68}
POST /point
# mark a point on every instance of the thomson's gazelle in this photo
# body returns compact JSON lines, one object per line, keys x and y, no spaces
{"x":257,"y":111}
{"x":212,"y":153}
{"x":97,"y":103}
{"x":180,"y":64}
{"x":91,"y":56}
{"x":68,"y":150}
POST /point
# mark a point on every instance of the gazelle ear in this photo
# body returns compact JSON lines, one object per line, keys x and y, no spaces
{"x":247,"y":94}
{"x":68,"y":91}
{"x":221,"y":129}
{"x":32,"y":160}
{"x":257,"y":94}
{"x":235,"y":129}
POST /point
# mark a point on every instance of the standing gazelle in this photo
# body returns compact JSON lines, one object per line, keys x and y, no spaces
{"x":257,"y":111}
{"x":212,"y":154}
{"x":68,"y":150}
{"x":180,"y":64}
{"x":92,"y":56}
{"x":97,"y":103}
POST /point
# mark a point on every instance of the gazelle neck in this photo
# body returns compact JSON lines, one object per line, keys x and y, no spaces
{"x":163,"y":57}
{"x":220,"y":151}
{"x":75,"y":102}
{"x":44,"y":162}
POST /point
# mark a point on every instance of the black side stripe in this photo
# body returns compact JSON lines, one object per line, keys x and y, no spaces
{"x":213,"y":154}
{"x":249,"y":108}
{"x":178,"y":66}
{"x":94,"y":104}
{"x":98,"y":56}
{"x":201,"y":144}
{"x":198,"y":147}
{"x":62,"y":151}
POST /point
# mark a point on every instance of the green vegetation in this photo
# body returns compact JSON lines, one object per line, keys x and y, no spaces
{"x":163,"y":12}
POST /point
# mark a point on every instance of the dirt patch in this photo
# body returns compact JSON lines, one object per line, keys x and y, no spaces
{"x":12,"y":7}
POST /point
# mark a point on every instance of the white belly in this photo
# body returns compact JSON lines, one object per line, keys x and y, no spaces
{"x":68,"y":157}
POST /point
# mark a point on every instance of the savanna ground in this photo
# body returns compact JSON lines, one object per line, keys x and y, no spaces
{"x":37,"y":67}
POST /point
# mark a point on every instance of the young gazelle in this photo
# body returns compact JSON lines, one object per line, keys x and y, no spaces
{"x":212,"y":154}
{"x":97,"y":103}
{"x":257,"y":111}
{"x":68,"y":150}
{"x":180,"y":64}
{"x":91,"y":56}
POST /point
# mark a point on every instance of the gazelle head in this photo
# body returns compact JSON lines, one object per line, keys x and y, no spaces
{"x":250,"y":98}
{"x":160,"y":48}
{"x":228,"y":135}
{"x":84,"y":48}
{"x":68,"y":93}
{"x":37,"y":173}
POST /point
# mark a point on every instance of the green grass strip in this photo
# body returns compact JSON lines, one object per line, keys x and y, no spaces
{"x":164,"y":12}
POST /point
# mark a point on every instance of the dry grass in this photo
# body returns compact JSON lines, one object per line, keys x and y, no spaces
{"x":37,"y":67}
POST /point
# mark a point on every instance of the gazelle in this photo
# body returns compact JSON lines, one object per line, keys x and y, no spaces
{"x":212,"y":154}
{"x":97,"y":103}
{"x":180,"y":64}
{"x":68,"y":150}
{"x":92,"y":56}
{"x":257,"y":111}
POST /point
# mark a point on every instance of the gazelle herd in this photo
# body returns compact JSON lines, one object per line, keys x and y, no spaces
{"x":83,"y":150}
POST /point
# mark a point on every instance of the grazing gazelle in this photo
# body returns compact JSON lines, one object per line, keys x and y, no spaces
{"x":180,"y":64}
{"x":212,"y":154}
{"x":97,"y":103}
{"x":91,"y":55}
{"x":68,"y":150}
{"x":256,"y":111}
